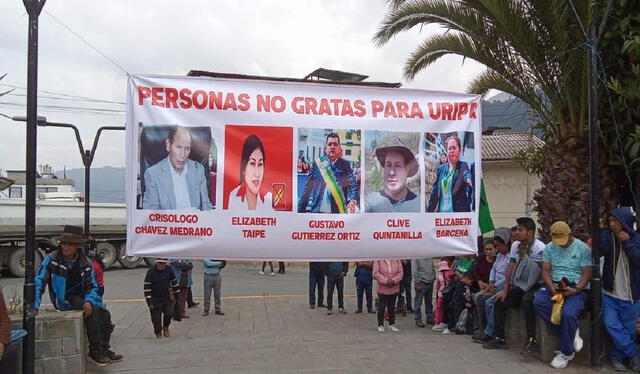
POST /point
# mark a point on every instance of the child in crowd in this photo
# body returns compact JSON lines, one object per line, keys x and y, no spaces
{"x":364,"y":284}
{"x":444,"y":277}
{"x":464,"y":300}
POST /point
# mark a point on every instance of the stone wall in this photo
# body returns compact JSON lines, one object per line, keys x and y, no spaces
{"x":548,"y":342}
{"x":60,"y":342}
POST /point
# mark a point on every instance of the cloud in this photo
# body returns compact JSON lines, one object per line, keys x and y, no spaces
{"x":277,"y":38}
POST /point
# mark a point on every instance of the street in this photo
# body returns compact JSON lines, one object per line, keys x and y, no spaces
{"x":268,"y":327}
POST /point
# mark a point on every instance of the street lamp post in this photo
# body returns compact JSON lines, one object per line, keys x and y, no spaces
{"x":86,"y":156}
{"x":33,"y":8}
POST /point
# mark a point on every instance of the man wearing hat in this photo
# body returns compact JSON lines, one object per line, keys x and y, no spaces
{"x":566,"y":270}
{"x":72,"y":286}
{"x":398,"y":164}
{"x":160,"y":287}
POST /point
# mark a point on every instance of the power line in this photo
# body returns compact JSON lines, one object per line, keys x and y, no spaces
{"x":65,"y":95}
{"x":87,"y":43}
{"x":69,"y":99}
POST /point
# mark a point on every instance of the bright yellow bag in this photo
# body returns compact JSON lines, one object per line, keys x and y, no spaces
{"x":556,"y":312}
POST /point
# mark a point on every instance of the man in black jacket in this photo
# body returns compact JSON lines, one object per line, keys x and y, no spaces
{"x":335,"y":272}
{"x":160,"y":288}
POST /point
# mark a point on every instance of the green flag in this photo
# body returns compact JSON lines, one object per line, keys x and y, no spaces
{"x":486,"y":223}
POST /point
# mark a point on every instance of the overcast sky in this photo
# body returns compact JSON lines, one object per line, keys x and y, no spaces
{"x":285,"y":38}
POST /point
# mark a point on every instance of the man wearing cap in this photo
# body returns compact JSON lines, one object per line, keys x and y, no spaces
{"x":72,"y":286}
{"x":566,"y":270}
{"x":331,"y":185}
{"x":398,"y":164}
{"x":620,"y":246}
{"x":176,"y":182}
{"x":160,"y":286}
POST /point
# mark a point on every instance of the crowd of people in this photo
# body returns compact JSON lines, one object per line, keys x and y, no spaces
{"x":515,"y":270}
{"x":466,"y":294}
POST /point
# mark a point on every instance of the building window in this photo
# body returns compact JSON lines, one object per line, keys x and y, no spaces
{"x":40,"y":190}
{"x":15,"y":192}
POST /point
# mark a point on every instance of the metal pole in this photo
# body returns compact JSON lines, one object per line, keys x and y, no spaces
{"x":597,"y":325}
{"x":28,"y":317}
{"x":86,"y":160}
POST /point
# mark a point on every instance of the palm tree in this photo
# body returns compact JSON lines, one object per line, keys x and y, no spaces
{"x":534,"y":50}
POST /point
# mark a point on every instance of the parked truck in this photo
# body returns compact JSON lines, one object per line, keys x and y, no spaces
{"x":53,"y":212}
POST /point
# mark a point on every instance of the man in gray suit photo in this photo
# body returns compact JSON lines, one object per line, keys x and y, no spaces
{"x":176,"y":182}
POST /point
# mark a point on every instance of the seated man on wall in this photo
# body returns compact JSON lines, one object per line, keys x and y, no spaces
{"x":72,"y":286}
{"x":620,"y":246}
{"x":566,"y":271}
{"x":176,"y":182}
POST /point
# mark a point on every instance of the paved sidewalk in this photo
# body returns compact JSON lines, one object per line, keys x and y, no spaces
{"x":282,"y":335}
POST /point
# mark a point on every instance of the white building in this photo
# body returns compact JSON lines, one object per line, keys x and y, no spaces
{"x":46,"y":181}
{"x":508,"y":187}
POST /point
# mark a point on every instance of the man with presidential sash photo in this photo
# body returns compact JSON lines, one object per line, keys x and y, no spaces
{"x":331,"y":185}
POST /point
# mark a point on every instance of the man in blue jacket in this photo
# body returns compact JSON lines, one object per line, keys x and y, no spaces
{"x":72,"y":286}
{"x":620,"y":246}
{"x":331,"y":184}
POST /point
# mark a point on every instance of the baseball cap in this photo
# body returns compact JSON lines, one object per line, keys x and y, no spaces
{"x":162,"y":260}
{"x":560,"y":233}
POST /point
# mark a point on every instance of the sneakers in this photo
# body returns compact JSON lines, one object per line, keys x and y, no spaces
{"x":481,"y":338}
{"x":420,"y":324}
{"x":394,"y":328}
{"x":321,"y":306}
{"x":159,"y":335}
{"x":380,"y":328}
{"x":561,"y":360}
{"x":635,"y":362}
{"x":165,"y":332}
{"x":99,"y":358}
{"x":617,"y":364}
{"x":219,"y":313}
{"x":430,"y":321}
{"x":447,"y":331}
{"x":329,"y":311}
{"x":273,"y":274}
{"x":205,"y":313}
{"x":312,"y":306}
{"x":261,"y":272}
{"x":193,"y":305}
{"x":371,"y":311}
{"x":530,"y":348}
{"x":496,"y":343}
{"x":114,"y":357}
{"x":577,"y":342}
{"x":440,"y":327}
{"x":342,"y":311}
{"x":358,"y":311}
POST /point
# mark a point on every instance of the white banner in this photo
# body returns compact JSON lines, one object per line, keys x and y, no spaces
{"x":260,"y":170}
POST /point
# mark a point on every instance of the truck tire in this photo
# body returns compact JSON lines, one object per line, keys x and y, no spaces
{"x":150,"y":261}
{"x":108,"y":252}
{"x":16,"y":261}
{"x":130,"y":262}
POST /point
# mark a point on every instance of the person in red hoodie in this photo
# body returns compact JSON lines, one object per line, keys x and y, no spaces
{"x":388,"y":274}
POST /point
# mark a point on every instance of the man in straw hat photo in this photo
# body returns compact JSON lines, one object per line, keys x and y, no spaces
{"x":72,"y":286}
{"x":398,"y":165}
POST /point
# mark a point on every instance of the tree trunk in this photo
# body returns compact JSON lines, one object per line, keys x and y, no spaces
{"x":565,"y":193}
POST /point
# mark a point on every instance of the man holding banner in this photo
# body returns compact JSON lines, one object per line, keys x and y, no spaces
{"x":331,"y":184}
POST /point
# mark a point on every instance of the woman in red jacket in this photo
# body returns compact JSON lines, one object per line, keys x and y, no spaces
{"x":388,"y":274}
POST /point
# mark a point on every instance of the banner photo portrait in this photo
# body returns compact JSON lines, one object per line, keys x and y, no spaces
{"x":243,"y":169}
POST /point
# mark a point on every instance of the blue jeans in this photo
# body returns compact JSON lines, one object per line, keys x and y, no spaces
{"x":363,"y":288}
{"x":620,"y":321}
{"x":335,"y":284}
{"x":426,"y":293}
{"x":569,"y":320}
{"x":489,"y":307}
{"x":316,"y":279}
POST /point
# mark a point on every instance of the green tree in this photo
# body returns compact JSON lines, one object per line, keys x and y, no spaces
{"x":534,"y":50}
